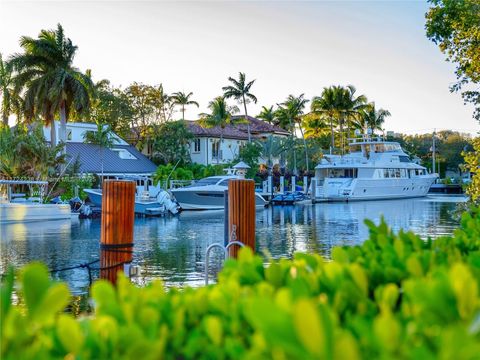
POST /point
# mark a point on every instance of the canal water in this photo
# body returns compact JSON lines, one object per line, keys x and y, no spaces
{"x":173,"y":248}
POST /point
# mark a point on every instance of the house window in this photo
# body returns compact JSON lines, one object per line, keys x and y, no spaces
{"x":69,"y":134}
{"x":215,"y":148}
{"x":196,"y":145}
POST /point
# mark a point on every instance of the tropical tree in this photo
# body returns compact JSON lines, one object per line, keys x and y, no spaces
{"x":103,"y":138}
{"x":24,"y":153}
{"x":182,"y":99}
{"x":371,"y":118}
{"x":291,"y":112}
{"x":171,"y":142}
{"x":327,"y":106}
{"x":52,"y":84}
{"x":11,"y":101}
{"x":267,"y":114}
{"x":240,"y":91}
{"x":220,"y":116}
{"x":272,"y":146}
{"x":350,"y":107}
{"x":454,"y":25}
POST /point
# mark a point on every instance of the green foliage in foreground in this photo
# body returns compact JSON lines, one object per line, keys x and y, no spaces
{"x":391,"y":297}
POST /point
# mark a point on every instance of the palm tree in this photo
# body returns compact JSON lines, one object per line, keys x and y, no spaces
{"x":52,"y":84}
{"x":102,"y":137}
{"x":220,"y":116}
{"x":11,"y":101}
{"x":267,"y":115}
{"x":350,"y":108}
{"x":315,"y":126}
{"x":272,"y":147}
{"x":371,"y":118}
{"x":180,"y":98}
{"x":240,"y":91}
{"x":291,"y":112}
{"x":327,"y":105}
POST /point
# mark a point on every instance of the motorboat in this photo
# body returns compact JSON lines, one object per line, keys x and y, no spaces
{"x":29,"y":206}
{"x":374,"y":169}
{"x":208,"y":193}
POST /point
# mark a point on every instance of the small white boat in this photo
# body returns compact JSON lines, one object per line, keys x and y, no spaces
{"x":149,"y":199}
{"x":208,"y":194}
{"x":16,"y":207}
{"x":373,"y":170}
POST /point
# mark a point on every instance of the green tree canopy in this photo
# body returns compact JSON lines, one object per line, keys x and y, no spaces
{"x":171,"y":142}
{"x":454,"y":25}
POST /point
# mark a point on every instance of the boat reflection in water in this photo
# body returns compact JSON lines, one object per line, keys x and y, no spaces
{"x":173,"y":248}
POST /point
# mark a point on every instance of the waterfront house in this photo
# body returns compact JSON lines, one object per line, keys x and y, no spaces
{"x":206,"y":149}
{"x":121,"y":159}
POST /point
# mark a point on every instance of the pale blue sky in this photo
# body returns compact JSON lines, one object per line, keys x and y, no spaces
{"x":289,"y":47}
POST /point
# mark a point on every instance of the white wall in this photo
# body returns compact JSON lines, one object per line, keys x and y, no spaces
{"x":75,"y":132}
{"x":229,"y":150}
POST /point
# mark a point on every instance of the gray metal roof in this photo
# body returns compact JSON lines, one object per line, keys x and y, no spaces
{"x":90,"y":159}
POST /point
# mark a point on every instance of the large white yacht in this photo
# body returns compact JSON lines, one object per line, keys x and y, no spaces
{"x":374,"y":169}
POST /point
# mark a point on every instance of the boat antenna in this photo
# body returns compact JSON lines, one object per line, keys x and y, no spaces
{"x":58,"y":178}
{"x":171,"y":172}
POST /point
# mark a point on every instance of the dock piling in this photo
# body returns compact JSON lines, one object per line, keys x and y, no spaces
{"x":241,"y":214}
{"x":116,"y":234}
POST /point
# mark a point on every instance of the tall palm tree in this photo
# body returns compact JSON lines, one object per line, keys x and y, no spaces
{"x":52,"y":84}
{"x":220,"y":116}
{"x":11,"y":101}
{"x":182,"y":99}
{"x":103,"y":137}
{"x":371,"y":118}
{"x":240,"y":91}
{"x":291,"y":112}
{"x":267,"y":114}
{"x":328,"y":105}
{"x":350,"y":108}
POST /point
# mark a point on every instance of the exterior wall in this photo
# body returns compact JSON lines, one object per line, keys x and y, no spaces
{"x":75,"y":132}
{"x":229,"y":150}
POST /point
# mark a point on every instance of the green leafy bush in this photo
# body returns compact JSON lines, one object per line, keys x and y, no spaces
{"x":68,"y":184}
{"x":394,"y":296}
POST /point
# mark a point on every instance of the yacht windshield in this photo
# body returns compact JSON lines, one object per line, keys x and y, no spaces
{"x":207,"y":181}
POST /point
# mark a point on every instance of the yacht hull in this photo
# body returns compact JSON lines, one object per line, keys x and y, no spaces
{"x":18,"y":212}
{"x":373,"y":189}
{"x":206,"y":199}
{"x":141,"y":207}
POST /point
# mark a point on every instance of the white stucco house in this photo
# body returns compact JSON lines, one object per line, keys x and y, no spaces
{"x":206,"y":149}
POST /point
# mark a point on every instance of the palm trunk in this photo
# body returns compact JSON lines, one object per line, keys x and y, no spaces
{"x":246,"y":118}
{"x":101,"y":161}
{"x":183,"y":112}
{"x":5,"y":119}
{"x":53,"y":134}
{"x":293,"y":146}
{"x":63,"y":123}
{"x":305,"y":146}
{"x":332,"y":144}
{"x":219,"y":146}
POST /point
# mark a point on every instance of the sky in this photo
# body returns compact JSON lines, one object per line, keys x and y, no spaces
{"x":288,"y":47}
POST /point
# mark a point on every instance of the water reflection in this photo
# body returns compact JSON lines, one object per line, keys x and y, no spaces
{"x":173,"y":249}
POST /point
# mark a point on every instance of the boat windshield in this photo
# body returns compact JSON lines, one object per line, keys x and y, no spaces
{"x":342,"y":173}
{"x":207,"y":181}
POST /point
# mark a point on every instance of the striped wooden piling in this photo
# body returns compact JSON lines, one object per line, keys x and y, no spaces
{"x":116,"y":235}
{"x":241,"y":213}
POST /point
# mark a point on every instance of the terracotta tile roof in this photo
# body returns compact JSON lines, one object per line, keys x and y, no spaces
{"x":229,"y":132}
{"x":258,"y":126}
{"x":237,"y":131}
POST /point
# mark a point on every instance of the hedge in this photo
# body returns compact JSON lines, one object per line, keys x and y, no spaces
{"x":394,"y":296}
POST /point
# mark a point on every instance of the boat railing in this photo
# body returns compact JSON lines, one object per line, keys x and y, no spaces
{"x":175,"y":184}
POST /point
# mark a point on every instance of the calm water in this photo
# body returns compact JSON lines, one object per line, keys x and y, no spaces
{"x":173,"y":249}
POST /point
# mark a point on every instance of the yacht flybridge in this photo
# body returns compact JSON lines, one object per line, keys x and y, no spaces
{"x":374,"y":169}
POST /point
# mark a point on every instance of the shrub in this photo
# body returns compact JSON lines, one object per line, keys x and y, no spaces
{"x":394,"y":296}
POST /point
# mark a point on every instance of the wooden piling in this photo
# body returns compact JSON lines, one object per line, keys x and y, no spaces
{"x":116,"y":233}
{"x":241,"y":213}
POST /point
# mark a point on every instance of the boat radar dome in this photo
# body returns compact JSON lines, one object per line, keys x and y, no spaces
{"x":241,"y":169}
